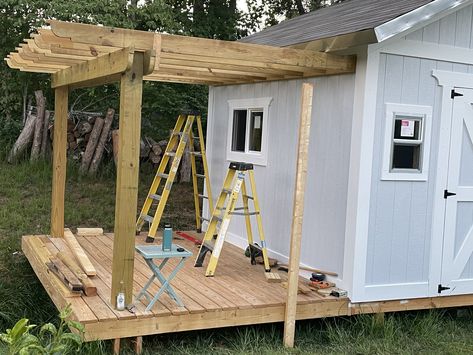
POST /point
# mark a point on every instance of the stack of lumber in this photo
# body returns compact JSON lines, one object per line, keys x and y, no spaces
{"x":34,"y":133}
{"x":71,"y":264}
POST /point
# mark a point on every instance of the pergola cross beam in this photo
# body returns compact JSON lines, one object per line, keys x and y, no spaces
{"x":177,"y":58}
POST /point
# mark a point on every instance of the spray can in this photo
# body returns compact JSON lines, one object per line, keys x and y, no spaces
{"x":167,"y":238}
{"x":121,"y":298}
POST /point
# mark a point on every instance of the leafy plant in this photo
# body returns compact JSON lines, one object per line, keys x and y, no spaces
{"x":51,"y":340}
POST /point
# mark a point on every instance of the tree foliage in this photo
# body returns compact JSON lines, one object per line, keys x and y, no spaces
{"x":219,"y":19}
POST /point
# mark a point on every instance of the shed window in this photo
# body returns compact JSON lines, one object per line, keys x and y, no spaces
{"x":248,"y":127}
{"x":407,"y":142}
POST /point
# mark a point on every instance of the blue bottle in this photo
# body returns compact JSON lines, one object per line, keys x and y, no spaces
{"x":167,"y":238}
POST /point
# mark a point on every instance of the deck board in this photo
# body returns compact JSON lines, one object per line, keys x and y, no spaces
{"x":238,"y":294}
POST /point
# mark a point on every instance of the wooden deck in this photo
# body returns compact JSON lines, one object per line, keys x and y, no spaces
{"x":237,"y":295}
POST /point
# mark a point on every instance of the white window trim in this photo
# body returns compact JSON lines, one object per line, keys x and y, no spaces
{"x":257,"y":158}
{"x":406,"y":174}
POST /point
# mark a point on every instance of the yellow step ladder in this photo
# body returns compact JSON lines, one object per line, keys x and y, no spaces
{"x":182,"y":135}
{"x":234,"y":184}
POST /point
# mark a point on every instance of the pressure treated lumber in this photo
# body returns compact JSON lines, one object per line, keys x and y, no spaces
{"x":59,"y":161}
{"x":79,"y":253}
{"x":298,"y":213}
{"x":89,"y":231}
{"x":65,"y":274}
{"x":94,"y":165}
{"x":89,"y":287}
{"x":131,"y":88}
{"x":102,"y":67}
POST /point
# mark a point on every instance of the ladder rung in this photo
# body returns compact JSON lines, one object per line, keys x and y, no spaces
{"x":162,"y":175}
{"x":197,"y":154}
{"x":177,"y":134}
{"x":155,"y":197}
{"x":248,"y":197}
{"x":244,"y":213}
{"x":204,"y":219}
{"x":218,"y":218}
{"x":203,"y":196}
{"x":147,"y":218}
{"x":227,"y":191}
{"x":200,"y":176}
{"x":170,"y":154}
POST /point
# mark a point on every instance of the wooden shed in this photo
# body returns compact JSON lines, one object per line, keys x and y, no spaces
{"x":386,"y":204}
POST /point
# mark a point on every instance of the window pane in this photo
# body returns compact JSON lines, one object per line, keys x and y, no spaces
{"x":406,"y":156}
{"x":239,"y":130}
{"x":256,"y":130}
{"x":407,"y":128}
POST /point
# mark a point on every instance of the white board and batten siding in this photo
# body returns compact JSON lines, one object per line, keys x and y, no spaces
{"x":401,"y":220}
{"x":329,"y":154}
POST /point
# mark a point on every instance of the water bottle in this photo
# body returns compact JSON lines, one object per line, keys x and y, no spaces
{"x":167,"y":238}
{"x":121,"y":298}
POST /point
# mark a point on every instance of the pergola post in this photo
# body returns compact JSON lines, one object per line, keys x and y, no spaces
{"x":59,"y":160}
{"x":298,"y":213}
{"x":126,"y":200}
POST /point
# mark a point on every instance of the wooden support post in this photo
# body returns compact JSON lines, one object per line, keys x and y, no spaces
{"x":116,"y":346}
{"x":59,"y":160}
{"x":298,"y":213}
{"x":139,"y":345}
{"x":127,"y":179}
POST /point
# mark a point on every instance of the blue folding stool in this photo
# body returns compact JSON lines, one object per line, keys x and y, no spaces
{"x":151,"y":252}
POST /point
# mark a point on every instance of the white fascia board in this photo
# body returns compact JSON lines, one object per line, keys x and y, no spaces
{"x":418,"y":18}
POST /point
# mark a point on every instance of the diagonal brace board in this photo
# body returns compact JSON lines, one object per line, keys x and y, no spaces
{"x":102,"y":70}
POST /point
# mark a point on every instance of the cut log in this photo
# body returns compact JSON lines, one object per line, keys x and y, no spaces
{"x":94,"y":165}
{"x":185,"y":166}
{"x":115,"y":145}
{"x":155,"y":159}
{"x":91,"y":145}
{"x":89,"y":287}
{"x":44,"y":140}
{"x":144,"y":148}
{"x":83,"y":127}
{"x":79,"y":253}
{"x":38,"y":129}
{"x":24,"y":139}
{"x":155,"y":147}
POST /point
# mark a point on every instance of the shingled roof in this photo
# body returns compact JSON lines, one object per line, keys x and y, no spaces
{"x":347,"y":17}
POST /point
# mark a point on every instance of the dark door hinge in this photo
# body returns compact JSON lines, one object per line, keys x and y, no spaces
{"x":455,"y":94}
{"x":442,"y":288}
{"x":447,"y":194}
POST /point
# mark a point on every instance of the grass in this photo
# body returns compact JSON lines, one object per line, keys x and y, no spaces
{"x":24,"y":209}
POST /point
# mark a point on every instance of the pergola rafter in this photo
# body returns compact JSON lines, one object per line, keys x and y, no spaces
{"x":177,"y":58}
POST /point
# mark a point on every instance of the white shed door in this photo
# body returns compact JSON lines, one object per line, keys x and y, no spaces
{"x":457,"y":264}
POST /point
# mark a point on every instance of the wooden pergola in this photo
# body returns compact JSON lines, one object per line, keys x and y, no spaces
{"x":78,"y":55}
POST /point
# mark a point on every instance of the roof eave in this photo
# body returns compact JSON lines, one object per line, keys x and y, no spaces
{"x":418,"y":18}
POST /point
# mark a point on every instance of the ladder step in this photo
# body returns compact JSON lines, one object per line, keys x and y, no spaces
{"x":244,"y":213}
{"x":177,"y":134}
{"x":170,"y":154}
{"x":155,"y":197}
{"x":227,"y":191}
{"x":218,"y":218}
{"x":204,"y":219}
{"x":248,"y":197}
{"x":202,"y":176}
{"x":203,"y":196}
{"x":197,"y":154}
{"x":147,"y":218}
{"x":162,"y":175}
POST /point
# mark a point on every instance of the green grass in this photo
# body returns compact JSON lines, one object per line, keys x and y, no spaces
{"x":24,"y":209}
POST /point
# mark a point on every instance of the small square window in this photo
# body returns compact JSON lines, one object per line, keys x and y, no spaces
{"x":247,"y":138}
{"x":407,"y":142}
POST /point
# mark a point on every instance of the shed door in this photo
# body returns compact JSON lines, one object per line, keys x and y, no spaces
{"x":457,"y":263}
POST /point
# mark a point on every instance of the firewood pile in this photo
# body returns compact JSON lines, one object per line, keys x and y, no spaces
{"x":91,"y":138}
